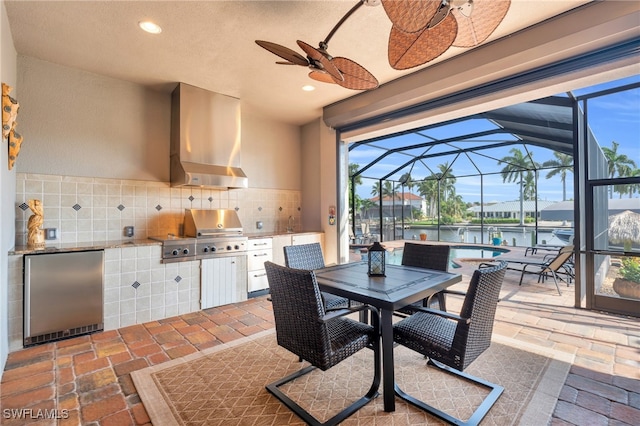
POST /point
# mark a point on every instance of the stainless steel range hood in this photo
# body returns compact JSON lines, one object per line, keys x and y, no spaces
{"x":205,"y":139}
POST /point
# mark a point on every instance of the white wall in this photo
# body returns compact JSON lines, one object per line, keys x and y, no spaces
{"x":82,"y":124}
{"x":270,"y":153}
{"x":7,"y":183}
{"x":319,"y":177}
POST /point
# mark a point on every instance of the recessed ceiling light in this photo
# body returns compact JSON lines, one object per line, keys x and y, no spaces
{"x":150,"y":27}
{"x":308,"y":88}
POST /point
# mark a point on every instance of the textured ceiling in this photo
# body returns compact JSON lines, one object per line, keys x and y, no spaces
{"x":210,"y":44}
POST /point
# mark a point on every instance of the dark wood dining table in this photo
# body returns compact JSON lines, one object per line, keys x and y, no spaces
{"x":401,"y":286}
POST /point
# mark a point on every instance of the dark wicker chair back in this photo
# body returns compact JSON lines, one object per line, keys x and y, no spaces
{"x":480,"y":304}
{"x":298,"y":312}
{"x":426,"y":256}
{"x":304,"y":256}
{"x":309,"y":257}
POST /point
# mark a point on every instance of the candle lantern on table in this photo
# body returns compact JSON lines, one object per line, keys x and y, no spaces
{"x":376,"y":260}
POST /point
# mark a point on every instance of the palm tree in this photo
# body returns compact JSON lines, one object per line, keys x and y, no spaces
{"x":515,"y":165}
{"x":428,"y":189}
{"x":447,"y":181}
{"x":407,"y":181}
{"x":562,"y":165}
{"x":529,"y":191}
{"x":367,"y":205}
{"x":375,"y":191}
{"x":617,"y":163}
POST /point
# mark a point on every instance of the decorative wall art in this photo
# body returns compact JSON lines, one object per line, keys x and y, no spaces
{"x":9,"y":116}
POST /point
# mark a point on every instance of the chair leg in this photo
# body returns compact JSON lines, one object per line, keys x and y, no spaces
{"x":342,"y":415}
{"x":555,"y":280}
{"x":476,"y":417}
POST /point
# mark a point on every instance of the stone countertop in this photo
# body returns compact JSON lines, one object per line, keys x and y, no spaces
{"x":267,"y":234}
{"x":95,"y":245}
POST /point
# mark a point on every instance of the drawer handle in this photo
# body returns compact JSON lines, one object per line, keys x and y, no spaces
{"x":259,"y":275}
{"x":260,"y":244}
{"x":261,"y":254}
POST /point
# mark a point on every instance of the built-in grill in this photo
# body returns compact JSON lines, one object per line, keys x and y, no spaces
{"x":207,"y":234}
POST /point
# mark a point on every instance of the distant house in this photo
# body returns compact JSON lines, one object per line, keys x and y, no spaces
{"x":399,"y":203}
{"x":564,"y":209}
{"x":509,"y":209}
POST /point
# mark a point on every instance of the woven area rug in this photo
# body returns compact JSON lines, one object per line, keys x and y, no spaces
{"x":225,"y":385}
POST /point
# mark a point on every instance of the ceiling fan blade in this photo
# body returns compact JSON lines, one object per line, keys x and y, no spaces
{"x":408,"y":50}
{"x":410,"y":16}
{"x":320,"y":60}
{"x":321,"y":76}
{"x":356,"y":77}
{"x":483,"y":20}
{"x":291,"y":56}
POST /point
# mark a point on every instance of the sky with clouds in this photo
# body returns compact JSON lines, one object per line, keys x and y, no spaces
{"x":615,"y":117}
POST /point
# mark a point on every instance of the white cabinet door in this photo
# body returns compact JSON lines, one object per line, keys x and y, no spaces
{"x":279,"y":243}
{"x":309,"y":238}
{"x":223,"y":281}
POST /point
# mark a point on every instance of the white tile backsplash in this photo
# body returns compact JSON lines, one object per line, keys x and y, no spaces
{"x":154,"y":208}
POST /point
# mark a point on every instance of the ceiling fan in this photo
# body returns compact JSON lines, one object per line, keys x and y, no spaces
{"x":324,"y":67}
{"x":424,"y":29}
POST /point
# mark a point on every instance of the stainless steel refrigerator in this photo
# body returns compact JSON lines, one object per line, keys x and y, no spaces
{"x":62,"y":295}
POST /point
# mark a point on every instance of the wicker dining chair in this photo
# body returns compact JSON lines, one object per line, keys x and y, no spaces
{"x":323,"y":339}
{"x":452,"y":342}
{"x":427,"y":256}
{"x":309,"y":257}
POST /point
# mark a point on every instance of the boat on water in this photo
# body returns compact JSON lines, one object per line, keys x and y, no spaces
{"x":564,"y":235}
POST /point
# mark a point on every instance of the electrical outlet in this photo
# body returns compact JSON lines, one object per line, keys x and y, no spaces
{"x":128,"y":231}
{"x":50,"y":233}
{"x":259,"y":225}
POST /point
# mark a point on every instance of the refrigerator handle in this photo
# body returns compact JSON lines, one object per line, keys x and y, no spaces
{"x":27,"y":296}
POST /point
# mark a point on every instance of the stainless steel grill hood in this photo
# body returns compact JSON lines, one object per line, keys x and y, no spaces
{"x":205,"y":139}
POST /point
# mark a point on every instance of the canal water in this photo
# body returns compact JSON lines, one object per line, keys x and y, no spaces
{"x":511,"y":236}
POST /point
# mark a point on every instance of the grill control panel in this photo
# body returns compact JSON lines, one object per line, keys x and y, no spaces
{"x":178,"y":250}
{"x":218,"y":248}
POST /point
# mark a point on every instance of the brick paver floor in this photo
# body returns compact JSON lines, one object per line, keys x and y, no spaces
{"x":86,"y":380}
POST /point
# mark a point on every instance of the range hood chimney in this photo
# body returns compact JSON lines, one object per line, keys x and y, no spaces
{"x":205,"y":139}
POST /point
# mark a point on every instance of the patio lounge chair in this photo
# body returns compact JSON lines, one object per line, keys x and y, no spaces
{"x":309,"y":257}
{"x":452,"y":342}
{"x":322,"y":338}
{"x":550,"y":265}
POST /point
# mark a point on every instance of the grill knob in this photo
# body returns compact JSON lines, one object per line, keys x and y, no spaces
{"x":228,"y":247}
{"x":237,"y":247}
{"x":175,"y":252}
{"x":213,"y":248}
{"x":185,"y":251}
{"x":206,"y":249}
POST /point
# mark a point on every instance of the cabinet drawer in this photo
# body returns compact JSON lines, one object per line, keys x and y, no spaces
{"x":256,"y":259}
{"x":259,"y":244}
{"x":257,"y":280}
